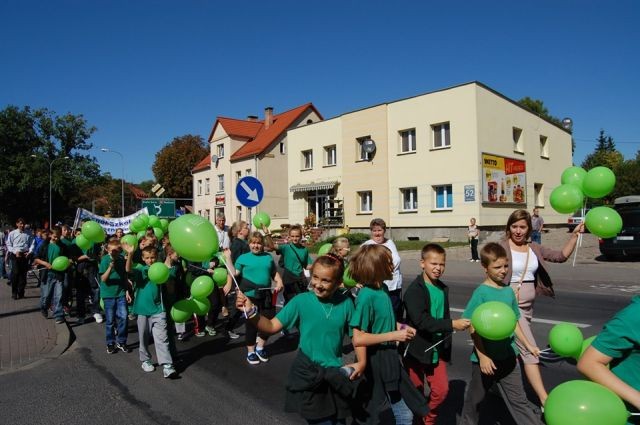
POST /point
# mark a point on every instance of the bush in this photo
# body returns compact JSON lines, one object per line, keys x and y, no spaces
{"x":354,"y":239}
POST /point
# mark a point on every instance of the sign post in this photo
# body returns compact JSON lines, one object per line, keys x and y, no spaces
{"x":161,"y":207}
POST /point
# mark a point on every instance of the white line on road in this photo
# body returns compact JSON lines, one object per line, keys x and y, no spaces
{"x":546,"y":321}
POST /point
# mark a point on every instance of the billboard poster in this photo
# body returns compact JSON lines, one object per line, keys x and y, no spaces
{"x":504,"y":180}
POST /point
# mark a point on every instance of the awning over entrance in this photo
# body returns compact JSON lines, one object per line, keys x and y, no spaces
{"x":313,"y":186}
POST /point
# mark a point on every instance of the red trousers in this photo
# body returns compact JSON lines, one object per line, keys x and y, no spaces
{"x":437,"y":379}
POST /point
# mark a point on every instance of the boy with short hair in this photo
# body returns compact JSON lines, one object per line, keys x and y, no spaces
{"x":114,"y":290}
{"x":495,"y":362}
{"x":426,"y":303}
{"x":53,"y":282}
{"x":152,"y":318}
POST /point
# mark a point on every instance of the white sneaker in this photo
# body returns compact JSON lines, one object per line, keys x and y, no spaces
{"x":98,"y":318}
{"x":168,"y":371}
{"x":147,"y":366}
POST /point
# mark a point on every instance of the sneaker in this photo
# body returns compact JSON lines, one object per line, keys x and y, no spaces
{"x":59,"y":321}
{"x":210,"y":330}
{"x":253,"y":358}
{"x":472,"y":260}
{"x":181,"y":336}
{"x":98,"y":317}
{"x":200,"y":334}
{"x":147,"y":366}
{"x":45,"y":312}
{"x":111,"y":348}
{"x":262,"y":354}
{"x":122,"y":347}
{"x":477,"y":261}
{"x":233,"y":335}
{"x":168,"y":371}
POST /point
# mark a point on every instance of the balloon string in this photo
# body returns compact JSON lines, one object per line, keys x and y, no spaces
{"x":432,"y":347}
{"x":244,"y":309}
{"x":634,"y":414}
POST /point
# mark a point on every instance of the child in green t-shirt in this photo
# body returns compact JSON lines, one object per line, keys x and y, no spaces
{"x":322,"y":315}
{"x":152,"y":318}
{"x":52,"y":287}
{"x":495,"y":362}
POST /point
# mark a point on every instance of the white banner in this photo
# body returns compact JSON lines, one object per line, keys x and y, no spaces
{"x":109,"y":224}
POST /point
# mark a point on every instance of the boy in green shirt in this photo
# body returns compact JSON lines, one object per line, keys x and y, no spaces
{"x":152,"y":318}
{"x":52,"y":287}
{"x":115,"y":295}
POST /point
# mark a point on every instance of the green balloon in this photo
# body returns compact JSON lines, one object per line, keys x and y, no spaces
{"x":182,"y":310}
{"x":93,"y":231}
{"x":201,"y":306}
{"x":141,"y":234}
{"x":164,"y":225}
{"x":60,"y":263}
{"x":133,"y":228}
{"x":566,"y":339}
{"x":585,"y":344}
{"x":193,"y":237}
{"x":494,"y":320}
{"x":82,"y":242}
{"x":566,"y":198}
{"x":598,"y":182}
{"x":324,"y":249}
{"x":604,"y":222}
{"x":584,"y":403}
{"x":201,"y":287}
{"x":158,"y":232}
{"x":144,"y":221}
{"x":158,"y":273}
{"x":189,"y":278}
{"x":347,"y":279}
{"x":574,"y":176}
{"x":130,"y":239}
{"x":260,"y":219}
{"x":154,"y":221}
{"x":220,"y":276}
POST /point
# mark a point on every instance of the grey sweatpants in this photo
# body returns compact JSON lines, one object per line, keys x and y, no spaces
{"x":509,"y":381}
{"x":155,"y":325}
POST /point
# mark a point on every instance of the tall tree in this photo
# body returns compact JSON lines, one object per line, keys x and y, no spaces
{"x":537,"y":107}
{"x":605,"y":154}
{"x":174,"y":162}
{"x":628,"y":178}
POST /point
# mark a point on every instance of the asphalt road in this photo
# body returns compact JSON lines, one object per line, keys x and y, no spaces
{"x":216,"y":385}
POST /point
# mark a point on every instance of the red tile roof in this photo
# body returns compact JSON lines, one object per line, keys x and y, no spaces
{"x":202,"y":165}
{"x":238,"y":128}
{"x":138,"y":193}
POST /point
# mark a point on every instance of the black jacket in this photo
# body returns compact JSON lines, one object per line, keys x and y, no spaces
{"x":417,"y":304}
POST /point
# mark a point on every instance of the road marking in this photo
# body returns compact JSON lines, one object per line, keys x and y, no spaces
{"x":545,"y":321}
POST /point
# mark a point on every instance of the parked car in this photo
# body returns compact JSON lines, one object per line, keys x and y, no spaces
{"x":576,"y":219}
{"x":627,"y":242}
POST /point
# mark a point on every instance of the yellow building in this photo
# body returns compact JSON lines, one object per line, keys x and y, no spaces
{"x":427,"y":164}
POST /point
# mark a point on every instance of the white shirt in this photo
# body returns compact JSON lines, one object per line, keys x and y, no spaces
{"x":223,"y":237}
{"x":396,"y":280}
{"x":517,"y":266}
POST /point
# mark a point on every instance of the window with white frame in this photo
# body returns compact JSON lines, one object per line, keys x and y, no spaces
{"x":207,"y":214}
{"x":518,"y":144}
{"x":220,"y":150}
{"x":220,"y":182}
{"x":207,"y":186}
{"x":307,"y":160}
{"x":443,"y":197}
{"x":365,"y":201}
{"x":330,"y":155}
{"x":283,"y":148}
{"x":538,"y":193}
{"x":409,"y":199}
{"x":199,"y":187}
{"x":247,"y":172}
{"x":408,"y":140}
{"x":363,"y":155}
{"x":441,"y":135}
{"x":544,"y":147}
{"x":238,"y":176}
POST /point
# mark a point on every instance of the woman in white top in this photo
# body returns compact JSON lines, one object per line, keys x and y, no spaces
{"x":378,"y":227}
{"x":527,"y":276}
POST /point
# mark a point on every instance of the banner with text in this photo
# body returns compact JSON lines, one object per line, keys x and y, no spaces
{"x":109,"y":224}
{"x":504,"y":180}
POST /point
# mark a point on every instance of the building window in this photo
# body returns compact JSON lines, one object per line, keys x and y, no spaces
{"x":363,"y":155}
{"x":330,"y":155}
{"x":538,"y":193}
{"x":220,"y":182}
{"x":207,"y":186}
{"x":220,"y":150}
{"x":307,"y":160}
{"x":544,"y":147}
{"x":283,"y":149}
{"x":443,"y":197}
{"x":247,"y":172}
{"x":238,"y":176}
{"x":518,"y":144}
{"x":441,"y":135}
{"x":199,"y":187}
{"x":207,"y":214}
{"x":365,"y":201}
{"x":408,"y":141}
{"x":309,"y":121}
{"x":409,"y":199}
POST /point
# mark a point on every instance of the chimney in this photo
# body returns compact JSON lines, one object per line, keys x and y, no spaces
{"x":252,"y":118}
{"x":268,"y":116}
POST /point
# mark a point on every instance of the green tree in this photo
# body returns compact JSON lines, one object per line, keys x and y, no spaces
{"x":628,"y":178}
{"x":537,"y":107}
{"x":605,"y":154}
{"x":174,"y":162}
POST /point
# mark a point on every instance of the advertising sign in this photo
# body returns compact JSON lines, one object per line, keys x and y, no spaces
{"x":504,"y":180}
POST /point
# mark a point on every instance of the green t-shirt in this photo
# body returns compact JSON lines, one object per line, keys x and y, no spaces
{"x":436,"y":295}
{"x":374,"y":312}
{"x":53,"y":251}
{"x":322,"y":325}
{"x":116,"y":284}
{"x":496,"y":350}
{"x":291,"y":262}
{"x":148,"y":296}
{"x":258,"y":268}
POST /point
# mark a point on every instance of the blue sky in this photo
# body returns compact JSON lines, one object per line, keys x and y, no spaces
{"x":144,"y":72}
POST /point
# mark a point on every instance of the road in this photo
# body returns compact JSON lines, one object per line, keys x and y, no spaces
{"x":216,"y":385}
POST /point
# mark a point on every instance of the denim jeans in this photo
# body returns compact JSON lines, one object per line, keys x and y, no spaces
{"x":51,"y":294}
{"x":115,"y":309}
{"x":401,"y":411}
{"x":3,"y":271}
{"x":536,"y":237}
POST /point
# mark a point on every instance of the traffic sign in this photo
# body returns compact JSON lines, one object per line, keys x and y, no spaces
{"x":249,"y":191}
{"x":163,"y":207}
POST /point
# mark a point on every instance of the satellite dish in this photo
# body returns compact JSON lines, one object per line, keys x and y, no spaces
{"x":214,"y":159}
{"x":369,"y":146}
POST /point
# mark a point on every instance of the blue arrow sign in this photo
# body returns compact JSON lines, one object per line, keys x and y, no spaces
{"x":249,"y":191}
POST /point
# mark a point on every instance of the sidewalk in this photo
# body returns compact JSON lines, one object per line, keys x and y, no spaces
{"x":25,"y":336}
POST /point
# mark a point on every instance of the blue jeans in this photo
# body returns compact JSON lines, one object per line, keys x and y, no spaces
{"x":401,"y":411}
{"x":536,"y":237}
{"x":51,"y":294}
{"x":3,"y":270}
{"x":115,"y":309}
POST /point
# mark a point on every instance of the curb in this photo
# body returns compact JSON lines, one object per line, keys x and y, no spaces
{"x":64,"y":338}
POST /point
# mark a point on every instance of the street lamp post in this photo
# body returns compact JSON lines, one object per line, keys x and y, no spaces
{"x":122,"y":188}
{"x":50,"y":199}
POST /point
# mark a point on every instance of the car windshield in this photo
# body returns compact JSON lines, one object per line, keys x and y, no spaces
{"x":630,"y":217}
